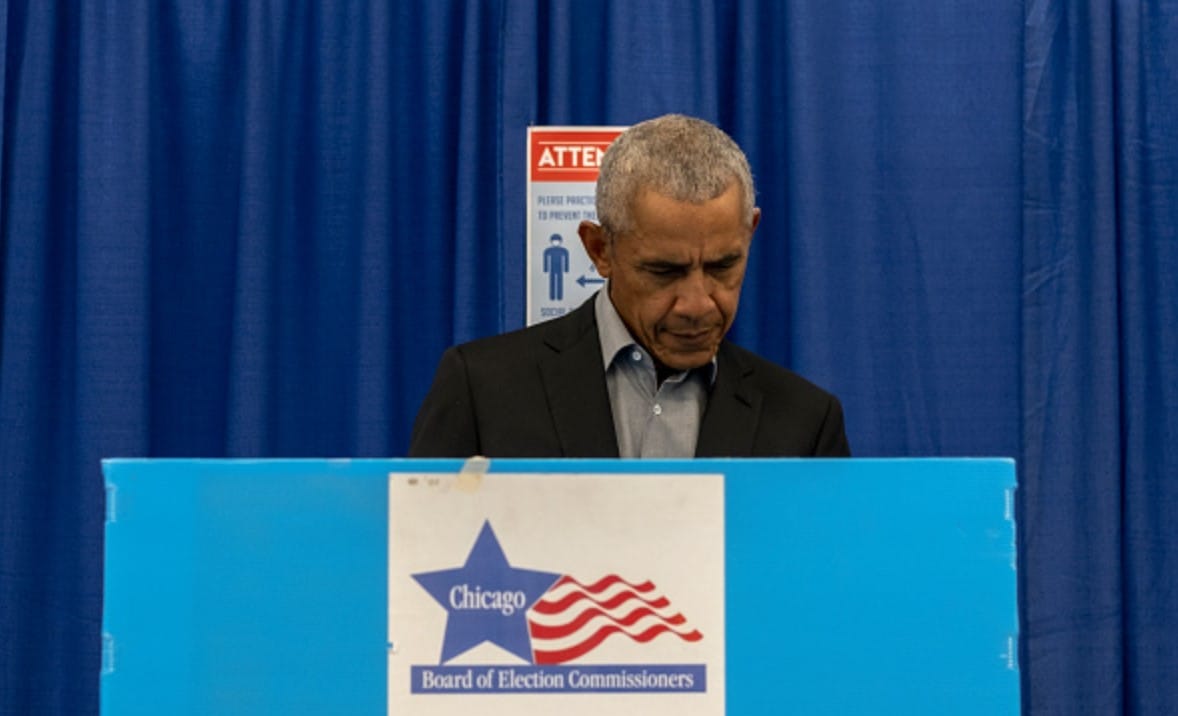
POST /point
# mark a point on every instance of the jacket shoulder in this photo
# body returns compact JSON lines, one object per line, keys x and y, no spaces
{"x":792,"y":409}
{"x":555,"y":334}
{"x":772,"y":377}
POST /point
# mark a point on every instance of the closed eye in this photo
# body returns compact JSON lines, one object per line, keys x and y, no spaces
{"x":723,"y":264}
{"x":665,"y":270}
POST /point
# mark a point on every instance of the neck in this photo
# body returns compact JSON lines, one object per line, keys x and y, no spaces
{"x":663,"y":372}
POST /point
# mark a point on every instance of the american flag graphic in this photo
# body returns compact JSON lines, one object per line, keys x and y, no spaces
{"x":572,"y":619}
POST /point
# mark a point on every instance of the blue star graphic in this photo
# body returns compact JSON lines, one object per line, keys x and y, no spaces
{"x":487,"y":599}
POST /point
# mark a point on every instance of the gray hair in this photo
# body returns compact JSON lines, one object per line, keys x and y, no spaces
{"x":684,"y":158}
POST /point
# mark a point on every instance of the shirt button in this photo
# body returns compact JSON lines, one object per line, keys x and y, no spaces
{"x":658,"y":409}
{"x":636,"y":355}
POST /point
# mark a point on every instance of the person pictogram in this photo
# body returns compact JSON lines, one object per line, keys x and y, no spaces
{"x":556,"y":263}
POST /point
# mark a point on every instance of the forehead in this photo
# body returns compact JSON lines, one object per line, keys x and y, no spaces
{"x":662,"y":224}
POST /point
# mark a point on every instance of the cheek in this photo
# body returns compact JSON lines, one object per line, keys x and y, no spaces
{"x":726,"y":301}
{"x":732,"y":288}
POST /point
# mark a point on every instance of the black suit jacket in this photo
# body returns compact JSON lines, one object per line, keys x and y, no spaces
{"x":541,"y":392}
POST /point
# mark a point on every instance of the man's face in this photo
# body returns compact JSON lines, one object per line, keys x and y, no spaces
{"x":675,"y":277}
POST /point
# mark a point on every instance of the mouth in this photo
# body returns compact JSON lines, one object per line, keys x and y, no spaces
{"x":700,"y":339}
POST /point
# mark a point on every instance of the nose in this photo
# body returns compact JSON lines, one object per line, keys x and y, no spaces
{"x":693,"y":298}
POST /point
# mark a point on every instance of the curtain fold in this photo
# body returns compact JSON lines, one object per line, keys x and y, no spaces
{"x":1147,"y":262}
{"x":1072,"y":399}
{"x":1100,"y":388}
{"x":249,"y":229}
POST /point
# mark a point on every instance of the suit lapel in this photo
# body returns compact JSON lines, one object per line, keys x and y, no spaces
{"x":729,"y":423}
{"x":574,"y":380}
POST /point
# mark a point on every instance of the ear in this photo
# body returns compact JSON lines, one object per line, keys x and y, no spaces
{"x":597,"y":245}
{"x":756,"y":219}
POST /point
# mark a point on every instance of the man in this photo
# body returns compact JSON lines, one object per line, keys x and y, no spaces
{"x":642,"y":369}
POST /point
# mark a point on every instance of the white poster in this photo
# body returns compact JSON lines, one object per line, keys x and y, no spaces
{"x":556,"y":593}
{"x":562,"y":176}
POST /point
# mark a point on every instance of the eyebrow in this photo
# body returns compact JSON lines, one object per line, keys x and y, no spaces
{"x":726,"y":260}
{"x":664,"y":264}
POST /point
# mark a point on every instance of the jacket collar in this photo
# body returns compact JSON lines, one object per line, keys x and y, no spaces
{"x":574,"y":380}
{"x":729,"y":424}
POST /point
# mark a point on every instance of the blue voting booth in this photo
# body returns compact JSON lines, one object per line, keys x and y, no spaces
{"x":844,"y":586}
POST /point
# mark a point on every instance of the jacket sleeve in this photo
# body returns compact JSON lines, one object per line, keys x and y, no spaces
{"x":832,"y":434}
{"x":446,"y":425}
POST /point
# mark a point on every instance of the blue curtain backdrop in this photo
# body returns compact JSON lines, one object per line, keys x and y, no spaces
{"x":250,"y":228}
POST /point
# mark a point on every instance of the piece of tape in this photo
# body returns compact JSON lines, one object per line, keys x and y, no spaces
{"x":470,"y":477}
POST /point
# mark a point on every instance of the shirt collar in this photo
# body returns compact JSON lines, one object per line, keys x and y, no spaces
{"x":615,"y":337}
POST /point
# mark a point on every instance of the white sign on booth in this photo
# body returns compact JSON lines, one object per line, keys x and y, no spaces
{"x":570,"y":594}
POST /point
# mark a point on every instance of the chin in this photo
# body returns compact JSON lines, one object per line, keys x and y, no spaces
{"x":687,"y":361}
